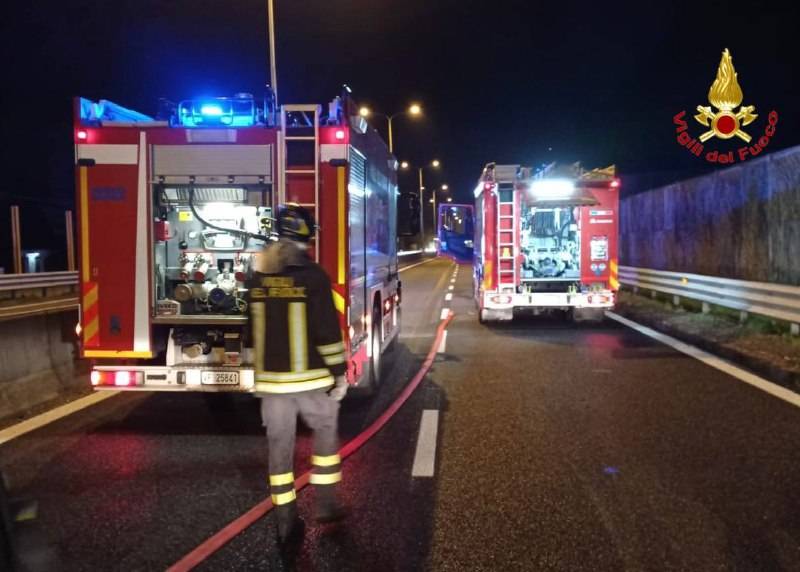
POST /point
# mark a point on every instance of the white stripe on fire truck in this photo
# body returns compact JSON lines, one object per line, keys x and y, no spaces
{"x":106,"y":154}
{"x":141,"y":320}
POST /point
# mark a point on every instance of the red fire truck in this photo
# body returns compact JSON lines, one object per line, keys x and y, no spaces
{"x":545,"y":240}
{"x":173,"y":210}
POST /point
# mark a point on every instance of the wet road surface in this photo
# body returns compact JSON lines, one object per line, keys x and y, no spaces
{"x":559,"y":447}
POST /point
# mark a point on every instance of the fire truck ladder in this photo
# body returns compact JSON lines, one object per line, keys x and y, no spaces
{"x":506,"y":227}
{"x":285,"y":169}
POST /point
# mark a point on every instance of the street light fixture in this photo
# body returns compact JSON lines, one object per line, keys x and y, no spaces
{"x":413,"y":110}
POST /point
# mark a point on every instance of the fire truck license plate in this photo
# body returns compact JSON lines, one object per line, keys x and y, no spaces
{"x":220,"y":378}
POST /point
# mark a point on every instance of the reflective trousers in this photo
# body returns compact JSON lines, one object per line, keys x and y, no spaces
{"x":279,"y":414}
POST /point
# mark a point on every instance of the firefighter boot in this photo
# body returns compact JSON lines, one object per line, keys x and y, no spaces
{"x":291,"y":527}
{"x":328,"y":508}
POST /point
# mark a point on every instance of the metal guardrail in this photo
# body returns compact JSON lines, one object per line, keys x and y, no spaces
{"x":23,"y":295}
{"x":38,"y":280}
{"x":778,"y":301}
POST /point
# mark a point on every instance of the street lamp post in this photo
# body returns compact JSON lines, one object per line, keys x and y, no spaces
{"x":273,"y":70}
{"x":433,"y":201}
{"x":434,"y":164}
{"x":414,"y":109}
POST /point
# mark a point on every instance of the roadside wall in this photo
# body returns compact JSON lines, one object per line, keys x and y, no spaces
{"x":742,"y":222}
{"x":38,"y":357}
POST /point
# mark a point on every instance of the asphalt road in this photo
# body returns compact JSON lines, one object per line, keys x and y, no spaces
{"x":596,"y":448}
{"x":558,"y":448}
{"x":139,"y":480}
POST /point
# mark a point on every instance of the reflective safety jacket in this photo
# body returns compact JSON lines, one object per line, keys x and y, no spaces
{"x":296,"y":335}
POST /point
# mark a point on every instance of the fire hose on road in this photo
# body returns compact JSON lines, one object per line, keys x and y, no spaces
{"x":218,"y":540}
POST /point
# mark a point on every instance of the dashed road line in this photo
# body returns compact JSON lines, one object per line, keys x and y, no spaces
{"x":443,"y":343}
{"x":425,"y":455}
{"x":449,"y":296}
{"x":713,"y":361}
{"x":445,"y":313}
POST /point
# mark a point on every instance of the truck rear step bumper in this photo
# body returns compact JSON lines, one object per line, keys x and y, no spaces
{"x":603,"y":299}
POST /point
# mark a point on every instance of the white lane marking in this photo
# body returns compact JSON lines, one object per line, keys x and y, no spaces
{"x":449,"y":296}
{"x":450,"y":287}
{"x":443,"y":343}
{"x":713,"y":361}
{"x":425,"y":456}
{"x":404,"y":268}
{"x":34,"y":423}
{"x":453,"y":281}
{"x":445,"y":313}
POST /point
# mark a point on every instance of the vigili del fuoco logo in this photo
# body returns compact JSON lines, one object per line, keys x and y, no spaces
{"x":723,"y":121}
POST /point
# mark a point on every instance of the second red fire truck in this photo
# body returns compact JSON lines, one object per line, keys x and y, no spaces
{"x":172,"y":211}
{"x":545,"y":241}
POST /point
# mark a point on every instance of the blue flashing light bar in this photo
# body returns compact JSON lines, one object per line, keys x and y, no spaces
{"x":217,"y":112}
{"x":211,"y":110}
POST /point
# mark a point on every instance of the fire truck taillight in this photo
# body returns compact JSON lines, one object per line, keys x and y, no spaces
{"x":123,"y":378}
{"x":82,"y":135}
{"x":340,"y":135}
{"x":119,"y":378}
{"x":615,"y":183}
{"x":501,"y":299}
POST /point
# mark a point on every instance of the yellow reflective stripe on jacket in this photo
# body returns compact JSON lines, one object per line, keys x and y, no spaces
{"x":298,"y":343}
{"x":284,"y":498}
{"x":327,"y":461}
{"x":283,"y":387}
{"x":259,"y":325}
{"x":288,"y":376}
{"x":331,"y":348}
{"x":328,"y":479}
{"x":334,"y":359}
{"x":283,"y":479}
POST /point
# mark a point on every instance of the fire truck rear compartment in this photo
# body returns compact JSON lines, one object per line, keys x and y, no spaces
{"x":550,"y":245}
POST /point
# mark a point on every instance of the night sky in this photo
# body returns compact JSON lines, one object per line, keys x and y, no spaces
{"x":507,"y":81}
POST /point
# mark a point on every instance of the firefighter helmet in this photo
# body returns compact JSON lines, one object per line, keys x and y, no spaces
{"x":295,"y":222}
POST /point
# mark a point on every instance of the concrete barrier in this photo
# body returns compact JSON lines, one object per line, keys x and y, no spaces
{"x":39,"y":361}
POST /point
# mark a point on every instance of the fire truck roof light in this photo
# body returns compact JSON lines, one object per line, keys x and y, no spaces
{"x":211,"y":110}
{"x":552,"y":188}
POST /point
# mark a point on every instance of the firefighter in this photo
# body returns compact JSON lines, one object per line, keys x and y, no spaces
{"x":300,"y":367}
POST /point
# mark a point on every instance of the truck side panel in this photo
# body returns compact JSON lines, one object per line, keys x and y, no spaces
{"x":599,"y":236}
{"x":114,"y":306}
